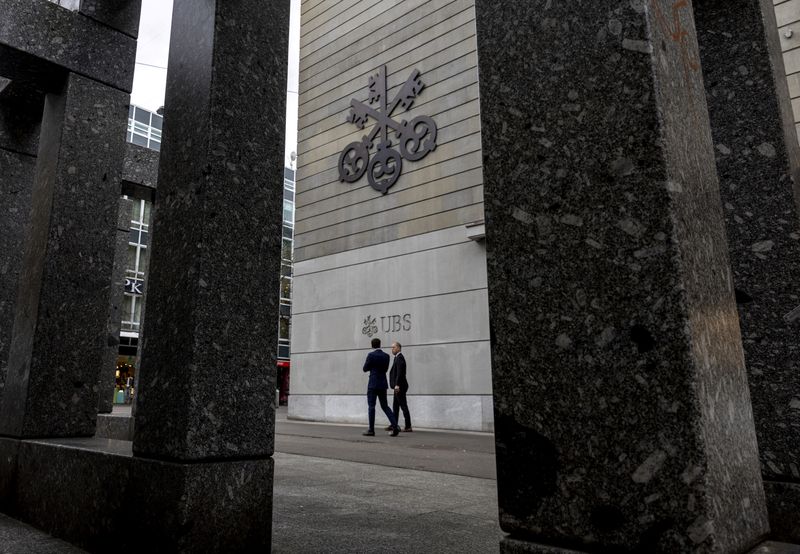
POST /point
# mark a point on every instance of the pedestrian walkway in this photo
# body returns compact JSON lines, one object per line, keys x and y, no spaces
{"x":337,"y":491}
{"x":324,"y":505}
{"x":455,"y":452}
{"x":425,"y":491}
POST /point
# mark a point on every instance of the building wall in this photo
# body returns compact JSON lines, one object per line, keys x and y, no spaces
{"x":787,"y":15}
{"x":402,"y":259}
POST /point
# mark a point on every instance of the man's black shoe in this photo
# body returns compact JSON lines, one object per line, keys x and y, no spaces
{"x":368,"y":433}
{"x":389,"y":427}
{"x":408,"y":429}
{"x":395,"y":431}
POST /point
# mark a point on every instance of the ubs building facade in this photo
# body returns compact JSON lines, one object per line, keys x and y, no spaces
{"x":389,"y":211}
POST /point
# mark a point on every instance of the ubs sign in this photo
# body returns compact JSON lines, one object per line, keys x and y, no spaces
{"x":414,"y":138}
{"x":389,"y":324}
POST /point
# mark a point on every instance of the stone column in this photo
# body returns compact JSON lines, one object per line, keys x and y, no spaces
{"x":122,"y":15}
{"x":622,"y":413}
{"x":20,"y":118}
{"x":61,"y":307}
{"x":757,"y":161}
{"x":208,"y":370}
{"x":107,"y":381}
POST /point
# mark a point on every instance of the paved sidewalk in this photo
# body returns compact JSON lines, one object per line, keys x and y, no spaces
{"x":454,"y":452}
{"x":18,"y":538}
{"x":339,"y":492}
{"x":323,"y":505}
{"x":425,"y":491}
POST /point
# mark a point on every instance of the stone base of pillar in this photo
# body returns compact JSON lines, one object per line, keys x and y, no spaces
{"x":95,"y":494}
{"x":516,"y":546}
{"x":783,"y":505}
{"x":111,"y":426}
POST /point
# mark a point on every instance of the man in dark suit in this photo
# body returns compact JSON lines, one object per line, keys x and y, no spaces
{"x":399,"y":382}
{"x":377,"y":364}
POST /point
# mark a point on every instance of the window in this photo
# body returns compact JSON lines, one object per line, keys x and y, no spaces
{"x":286,"y":250}
{"x":137,"y":262}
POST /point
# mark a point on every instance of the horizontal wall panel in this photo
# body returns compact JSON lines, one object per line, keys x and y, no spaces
{"x":400,"y":25}
{"x":418,"y":243}
{"x":449,"y":269}
{"x":307,"y":5}
{"x":791,"y":60}
{"x":787,"y":12}
{"x":458,"y":217}
{"x":433,"y":320}
{"x":317,"y":22}
{"x":460,"y":412}
{"x":345,"y":204}
{"x":411,"y":198}
{"x":794,"y":85}
{"x":424,"y":33}
{"x":352,"y":80}
{"x":418,"y":210}
{"x":432,"y":369}
{"x":337,"y":22}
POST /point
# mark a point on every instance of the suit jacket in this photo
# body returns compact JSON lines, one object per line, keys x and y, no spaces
{"x":397,"y":377}
{"x":377,"y":364}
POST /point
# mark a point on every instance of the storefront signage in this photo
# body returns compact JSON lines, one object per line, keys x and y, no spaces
{"x":388,"y":324}
{"x":134,"y":286}
{"x":414,"y":138}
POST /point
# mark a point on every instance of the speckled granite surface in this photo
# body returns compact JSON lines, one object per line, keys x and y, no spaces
{"x":15,"y":203}
{"x":122,"y":15}
{"x":210,"y":334}
{"x":783,"y":504}
{"x":107,"y":381}
{"x":141,"y":167}
{"x":20,"y":118}
{"x":60,"y":318}
{"x":757,"y":158}
{"x":51,"y":37}
{"x":113,"y":502}
{"x":622,"y":412}
{"x":20,"y":122}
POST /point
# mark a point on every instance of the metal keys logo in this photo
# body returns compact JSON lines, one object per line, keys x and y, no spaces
{"x":414,"y":138}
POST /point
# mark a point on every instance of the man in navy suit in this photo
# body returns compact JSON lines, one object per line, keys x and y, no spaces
{"x":377,"y":364}
{"x":399,"y":382}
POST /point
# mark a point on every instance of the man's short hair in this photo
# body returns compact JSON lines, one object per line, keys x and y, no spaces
{"x":376,"y":343}
{"x":399,"y":346}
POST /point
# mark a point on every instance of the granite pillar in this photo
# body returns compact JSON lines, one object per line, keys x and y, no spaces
{"x":757,"y":160}
{"x":122,"y":15}
{"x":59,"y":331}
{"x":107,"y":382}
{"x":41,"y":41}
{"x":208,"y":367}
{"x":20,"y":115}
{"x":622,"y":414}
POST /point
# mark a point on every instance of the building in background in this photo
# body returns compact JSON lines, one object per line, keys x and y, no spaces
{"x":144,"y":129}
{"x":404,"y":263}
{"x":285,"y":317}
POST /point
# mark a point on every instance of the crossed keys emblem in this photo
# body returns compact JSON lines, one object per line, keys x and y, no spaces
{"x":414,"y":138}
